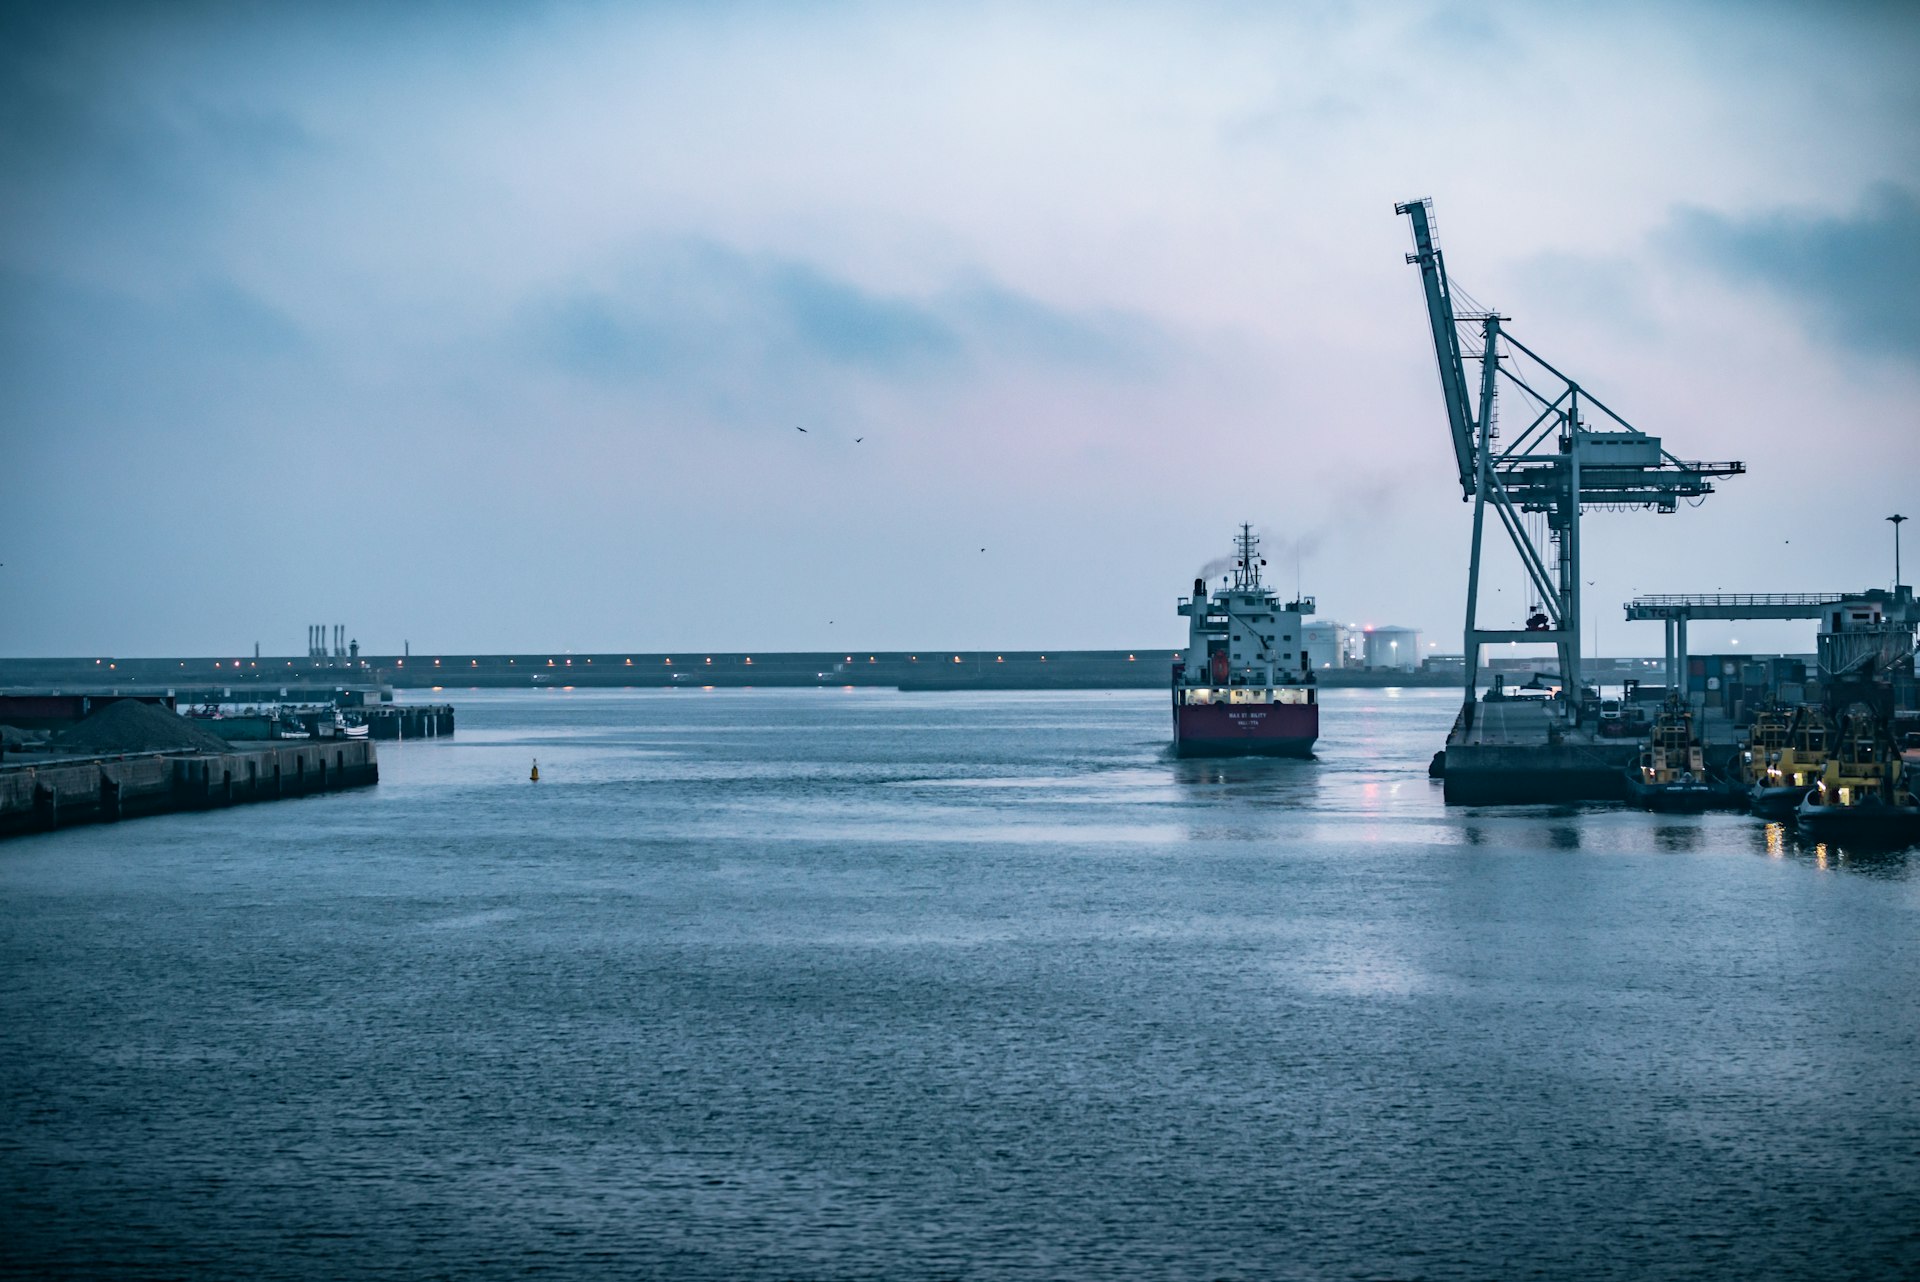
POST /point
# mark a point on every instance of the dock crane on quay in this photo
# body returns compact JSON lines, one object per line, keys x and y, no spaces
{"x":1555,"y":466}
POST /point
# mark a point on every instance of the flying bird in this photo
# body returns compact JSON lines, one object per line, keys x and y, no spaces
{"x":798,"y":428}
{"x":858,"y":439}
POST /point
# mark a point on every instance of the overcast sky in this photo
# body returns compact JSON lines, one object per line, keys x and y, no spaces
{"x":488,"y":327}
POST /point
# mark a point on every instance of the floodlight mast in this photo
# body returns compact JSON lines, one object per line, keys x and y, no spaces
{"x":1556,"y":465}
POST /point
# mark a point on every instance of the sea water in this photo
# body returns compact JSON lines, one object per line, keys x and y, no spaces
{"x":859,"y":984}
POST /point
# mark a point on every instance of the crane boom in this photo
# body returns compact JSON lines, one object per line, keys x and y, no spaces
{"x":1446,"y":339}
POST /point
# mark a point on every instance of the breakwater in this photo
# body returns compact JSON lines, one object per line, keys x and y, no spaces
{"x":262,"y":679}
{"x":39,"y":795}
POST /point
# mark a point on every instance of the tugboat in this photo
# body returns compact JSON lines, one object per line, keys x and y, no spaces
{"x":1244,"y":685}
{"x":1863,"y":796}
{"x":1766,"y":737}
{"x":1672,"y":774}
{"x":1776,"y":789}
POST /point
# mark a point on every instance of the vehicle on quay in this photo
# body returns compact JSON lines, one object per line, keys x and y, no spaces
{"x":1244,"y":685}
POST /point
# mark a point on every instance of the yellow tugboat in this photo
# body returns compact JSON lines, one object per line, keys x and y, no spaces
{"x":1782,"y":781}
{"x":1863,"y":795}
{"x":1766,"y":737}
{"x":1672,"y":774}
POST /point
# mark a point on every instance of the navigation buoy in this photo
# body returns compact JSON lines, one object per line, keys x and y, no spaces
{"x":535,"y":776}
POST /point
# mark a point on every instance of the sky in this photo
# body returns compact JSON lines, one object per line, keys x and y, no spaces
{"x":485,"y":327}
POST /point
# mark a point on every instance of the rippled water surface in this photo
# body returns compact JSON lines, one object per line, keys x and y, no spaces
{"x":838,"y":984}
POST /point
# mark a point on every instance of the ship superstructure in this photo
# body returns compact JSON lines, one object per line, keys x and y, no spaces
{"x":1244,"y":685}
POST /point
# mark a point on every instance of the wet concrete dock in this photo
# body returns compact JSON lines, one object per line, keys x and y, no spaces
{"x":1512,"y":752}
{"x":43,"y":793}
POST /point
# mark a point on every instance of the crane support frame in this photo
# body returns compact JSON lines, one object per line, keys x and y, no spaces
{"x":1557,"y":465}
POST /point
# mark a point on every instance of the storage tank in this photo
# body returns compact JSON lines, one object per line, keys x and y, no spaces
{"x":1327,"y":644}
{"x":1396,"y":648}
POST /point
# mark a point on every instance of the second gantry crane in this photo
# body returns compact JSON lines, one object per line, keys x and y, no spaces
{"x":1555,"y":466}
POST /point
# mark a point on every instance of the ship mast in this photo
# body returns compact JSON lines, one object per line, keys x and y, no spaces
{"x":1247,"y":576}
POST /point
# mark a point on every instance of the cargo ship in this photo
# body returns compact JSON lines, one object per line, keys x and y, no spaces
{"x":1244,"y":685}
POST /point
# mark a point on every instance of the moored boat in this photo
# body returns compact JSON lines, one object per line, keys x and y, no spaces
{"x":1778,"y":785}
{"x":1864,"y":794}
{"x":1671,"y":774}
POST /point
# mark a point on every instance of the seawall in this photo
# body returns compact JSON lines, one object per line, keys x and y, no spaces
{"x":37,"y":795}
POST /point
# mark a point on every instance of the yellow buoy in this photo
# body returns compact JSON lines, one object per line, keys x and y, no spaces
{"x":535,"y":776}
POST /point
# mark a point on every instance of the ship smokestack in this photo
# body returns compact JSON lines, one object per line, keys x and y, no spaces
{"x":1199,"y":589}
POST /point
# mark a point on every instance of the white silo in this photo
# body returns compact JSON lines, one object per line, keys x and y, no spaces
{"x":1394,"y":648}
{"x":1327,"y":644}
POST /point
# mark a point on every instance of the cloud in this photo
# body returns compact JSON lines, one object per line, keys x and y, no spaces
{"x":698,"y":311}
{"x":1608,"y":288}
{"x":66,"y":334}
{"x":1855,"y":274}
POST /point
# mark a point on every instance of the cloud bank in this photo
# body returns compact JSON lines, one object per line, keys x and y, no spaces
{"x":484,"y":326}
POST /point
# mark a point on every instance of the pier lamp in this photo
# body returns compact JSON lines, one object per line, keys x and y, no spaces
{"x":1897,"y":519}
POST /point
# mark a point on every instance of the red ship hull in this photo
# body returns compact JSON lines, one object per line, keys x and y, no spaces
{"x":1246,"y":729}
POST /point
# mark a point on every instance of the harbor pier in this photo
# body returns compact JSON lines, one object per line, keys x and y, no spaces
{"x":1513,"y":752}
{"x":57,"y":792}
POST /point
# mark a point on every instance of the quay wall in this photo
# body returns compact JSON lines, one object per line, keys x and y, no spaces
{"x":1512,"y":774}
{"x":47,"y":794}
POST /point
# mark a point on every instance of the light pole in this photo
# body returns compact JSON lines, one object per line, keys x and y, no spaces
{"x":1896,"y":518}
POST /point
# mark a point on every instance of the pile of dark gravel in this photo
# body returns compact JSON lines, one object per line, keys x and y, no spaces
{"x":132,"y":726}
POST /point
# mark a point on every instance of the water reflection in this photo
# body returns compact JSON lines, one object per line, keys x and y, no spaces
{"x":1563,"y":837}
{"x":1260,"y":781}
{"x":1676,"y":838}
{"x":1783,"y":842}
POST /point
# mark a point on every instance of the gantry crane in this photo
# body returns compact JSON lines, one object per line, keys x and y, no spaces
{"x":1555,"y":466}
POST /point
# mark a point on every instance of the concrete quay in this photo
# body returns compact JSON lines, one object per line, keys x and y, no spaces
{"x":47,"y":793}
{"x":1513,"y":752}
